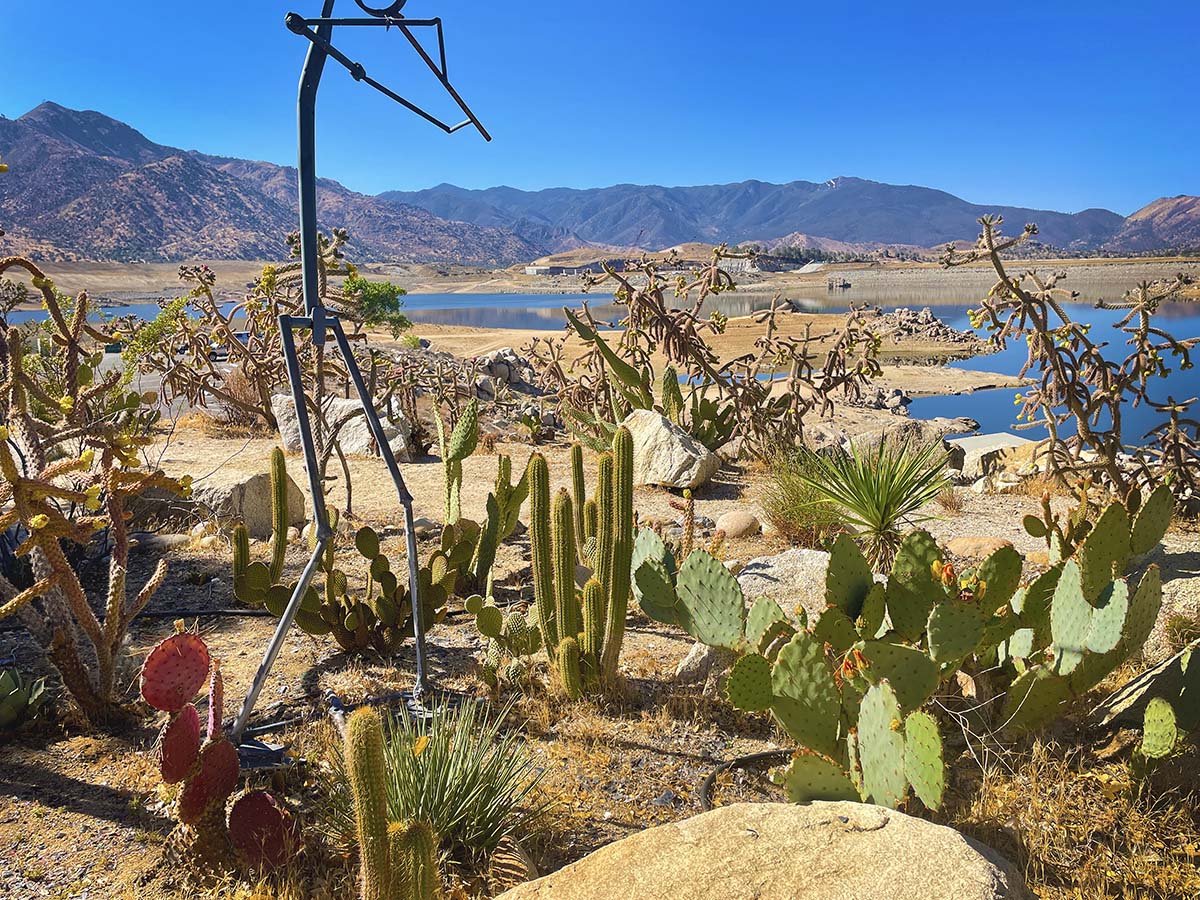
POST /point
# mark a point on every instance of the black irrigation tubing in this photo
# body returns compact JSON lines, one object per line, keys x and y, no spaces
{"x":742,"y":762}
{"x":178,"y":614}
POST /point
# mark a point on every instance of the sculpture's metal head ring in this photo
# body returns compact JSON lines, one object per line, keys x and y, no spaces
{"x":387,"y":12}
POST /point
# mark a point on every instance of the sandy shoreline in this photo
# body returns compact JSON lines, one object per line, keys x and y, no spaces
{"x":141,"y":282}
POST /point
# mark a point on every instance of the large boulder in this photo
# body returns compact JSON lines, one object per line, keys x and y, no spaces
{"x":919,"y":433}
{"x":230,"y":495}
{"x":665,"y":454}
{"x":354,"y":435}
{"x":983,"y":454}
{"x":782,"y":851}
{"x":794,"y":577}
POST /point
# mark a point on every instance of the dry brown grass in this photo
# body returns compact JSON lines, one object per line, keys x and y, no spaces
{"x":211,"y":427}
{"x":1080,"y":828}
{"x":950,"y":500}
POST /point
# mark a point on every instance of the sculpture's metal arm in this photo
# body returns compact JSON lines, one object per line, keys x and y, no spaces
{"x":304,"y":28}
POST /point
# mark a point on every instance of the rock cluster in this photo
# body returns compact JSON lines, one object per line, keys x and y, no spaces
{"x":507,"y":367}
{"x":895,"y":400}
{"x":904,"y":322}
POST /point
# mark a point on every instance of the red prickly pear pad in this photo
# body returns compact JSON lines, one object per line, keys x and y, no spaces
{"x":212,"y":784}
{"x":263,"y":831}
{"x":174,"y":671}
{"x":179,"y":745}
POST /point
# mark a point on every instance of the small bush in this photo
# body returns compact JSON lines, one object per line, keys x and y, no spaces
{"x":793,"y":506}
{"x":950,"y":500}
{"x":475,"y":784}
{"x":410,"y":341}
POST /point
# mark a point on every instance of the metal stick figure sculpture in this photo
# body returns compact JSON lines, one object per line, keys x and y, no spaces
{"x":317,"y":318}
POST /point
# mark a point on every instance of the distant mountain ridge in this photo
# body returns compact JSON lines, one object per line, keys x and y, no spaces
{"x":848,"y":210}
{"x":85,"y":186}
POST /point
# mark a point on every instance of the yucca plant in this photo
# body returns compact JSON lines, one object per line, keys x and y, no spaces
{"x":878,"y":491}
{"x":474,"y":783}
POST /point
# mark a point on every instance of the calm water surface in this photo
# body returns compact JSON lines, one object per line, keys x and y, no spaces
{"x":994,"y":410}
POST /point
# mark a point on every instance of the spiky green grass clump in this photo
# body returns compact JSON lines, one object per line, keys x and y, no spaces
{"x":471,"y":780}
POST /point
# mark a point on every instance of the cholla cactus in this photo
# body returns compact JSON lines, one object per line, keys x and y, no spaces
{"x":57,"y":406}
{"x":1079,"y":396}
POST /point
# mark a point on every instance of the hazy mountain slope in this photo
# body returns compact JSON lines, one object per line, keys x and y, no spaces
{"x":83,"y":185}
{"x":1172,"y":222}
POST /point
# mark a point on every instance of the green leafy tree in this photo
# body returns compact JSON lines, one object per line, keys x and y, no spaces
{"x":378,"y":302}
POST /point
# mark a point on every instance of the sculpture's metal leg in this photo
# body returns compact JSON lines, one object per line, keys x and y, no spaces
{"x":320,"y":518}
{"x":421,"y":686}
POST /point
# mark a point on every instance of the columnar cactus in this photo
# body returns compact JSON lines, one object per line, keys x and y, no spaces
{"x":562,"y":537}
{"x":397,"y":860}
{"x":543,"y":554}
{"x":594,"y":621}
{"x":280,"y":514}
{"x":619,"y":574}
{"x":413,"y":856}
{"x":578,"y":500}
{"x":366,"y":769}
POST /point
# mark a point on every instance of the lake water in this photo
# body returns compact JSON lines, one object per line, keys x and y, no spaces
{"x":994,"y":410}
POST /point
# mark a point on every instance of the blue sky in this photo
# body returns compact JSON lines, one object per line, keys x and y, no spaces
{"x":1049,"y":104}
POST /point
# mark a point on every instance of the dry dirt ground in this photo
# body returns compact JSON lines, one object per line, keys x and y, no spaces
{"x":81,"y":814}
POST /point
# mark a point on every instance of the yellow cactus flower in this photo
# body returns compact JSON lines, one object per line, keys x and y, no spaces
{"x":92,"y":503}
{"x":87,"y":456}
{"x":41,"y":520}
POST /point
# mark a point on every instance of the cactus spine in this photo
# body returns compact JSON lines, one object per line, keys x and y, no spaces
{"x":280,"y":515}
{"x":543,"y":559}
{"x":366,"y":769}
{"x":412,"y":850}
{"x":622,"y":550}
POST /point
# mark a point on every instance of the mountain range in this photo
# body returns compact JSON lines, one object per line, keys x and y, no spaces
{"x":86,"y":186}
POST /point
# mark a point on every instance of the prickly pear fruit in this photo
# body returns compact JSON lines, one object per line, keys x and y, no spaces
{"x":174,"y":670}
{"x":212,"y":784}
{"x":179,"y":745}
{"x":263,"y":831}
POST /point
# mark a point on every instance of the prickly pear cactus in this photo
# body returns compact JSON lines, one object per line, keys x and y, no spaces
{"x":1159,"y":732}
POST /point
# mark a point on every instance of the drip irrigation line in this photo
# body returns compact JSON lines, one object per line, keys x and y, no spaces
{"x":742,"y":762}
